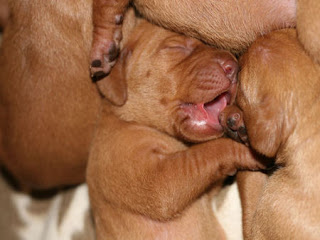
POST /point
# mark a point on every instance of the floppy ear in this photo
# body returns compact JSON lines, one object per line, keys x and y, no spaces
{"x":114,"y":86}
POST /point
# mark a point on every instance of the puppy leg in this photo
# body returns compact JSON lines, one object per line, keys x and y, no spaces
{"x":250,"y":187}
{"x":155,"y":176}
{"x":107,"y":34}
{"x":308,"y":26}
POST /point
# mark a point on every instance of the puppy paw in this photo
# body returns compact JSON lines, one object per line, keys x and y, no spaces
{"x":105,"y":48}
{"x":231,"y":119}
{"x":107,"y":17}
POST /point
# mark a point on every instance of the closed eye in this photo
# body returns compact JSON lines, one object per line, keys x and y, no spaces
{"x":177,"y":47}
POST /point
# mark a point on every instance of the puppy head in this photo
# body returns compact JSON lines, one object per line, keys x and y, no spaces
{"x":176,"y":84}
{"x":277,"y":88}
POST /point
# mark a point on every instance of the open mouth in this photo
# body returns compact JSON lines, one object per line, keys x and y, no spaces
{"x":215,"y":107}
{"x":207,"y":114}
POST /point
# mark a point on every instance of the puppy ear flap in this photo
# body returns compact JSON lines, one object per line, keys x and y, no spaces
{"x":114,"y":86}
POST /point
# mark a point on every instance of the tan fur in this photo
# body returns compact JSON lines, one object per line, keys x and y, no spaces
{"x":228,"y":24}
{"x":4,"y":13}
{"x":234,"y":25}
{"x":231,"y":25}
{"x":49,"y":109}
{"x":279,"y":96}
{"x":250,"y":189}
{"x":49,"y":105}
{"x":308,"y":26}
{"x":144,"y":182}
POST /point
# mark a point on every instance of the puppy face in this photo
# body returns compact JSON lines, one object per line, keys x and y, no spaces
{"x":175,"y":84}
{"x":277,"y":89}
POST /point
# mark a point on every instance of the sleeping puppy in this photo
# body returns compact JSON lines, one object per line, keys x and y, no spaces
{"x":145,"y":179}
{"x":231,"y":25}
{"x":279,"y":99}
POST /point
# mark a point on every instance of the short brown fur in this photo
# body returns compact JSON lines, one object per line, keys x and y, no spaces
{"x":279,"y":97}
{"x":50,"y":108}
{"x":144,"y":180}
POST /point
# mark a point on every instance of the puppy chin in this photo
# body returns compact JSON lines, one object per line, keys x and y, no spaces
{"x":199,"y":132}
{"x":200,"y":122}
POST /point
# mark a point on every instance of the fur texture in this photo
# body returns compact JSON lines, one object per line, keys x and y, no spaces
{"x":49,"y":106}
{"x":4,"y":13}
{"x":231,"y":25}
{"x":144,"y":180}
{"x":49,"y":111}
{"x":279,"y":97}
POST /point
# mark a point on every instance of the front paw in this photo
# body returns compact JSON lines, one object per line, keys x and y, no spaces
{"x":107,"y":35}
{"x":231,"y":119}
{"x":104,"y":53}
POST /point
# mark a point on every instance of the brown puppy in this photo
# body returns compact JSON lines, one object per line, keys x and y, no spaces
{"x":49,"y":105}
{"x":144,"y":182}
{"x":4,"y":13}
{"x":235,"y":24}
{"x":279,"y":97}
{"x":308,"y":26}
{"x":231,"y":25}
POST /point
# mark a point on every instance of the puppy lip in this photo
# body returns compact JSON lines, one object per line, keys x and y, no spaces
{"x":207,"y":114}
{"x":215,"y":107}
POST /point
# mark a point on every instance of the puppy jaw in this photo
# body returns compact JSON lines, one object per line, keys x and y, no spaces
{"x":198,"y":122}
{"x":190,"y":84}
{"x":212,"y":86}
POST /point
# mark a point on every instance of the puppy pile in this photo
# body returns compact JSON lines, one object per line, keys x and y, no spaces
{"x":147,"y":133}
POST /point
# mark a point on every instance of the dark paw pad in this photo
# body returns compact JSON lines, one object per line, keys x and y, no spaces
{"x":231,"y":120}
{"x":236,"y":128}
{"x":97,"y":76}
{"x":103,"y":60}
{"x":234,"y":121}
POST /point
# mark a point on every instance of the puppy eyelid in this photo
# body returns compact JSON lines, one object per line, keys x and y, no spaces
{"x":177,"y":48}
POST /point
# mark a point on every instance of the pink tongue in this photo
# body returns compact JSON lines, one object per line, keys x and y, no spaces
{"x":214,"y":108}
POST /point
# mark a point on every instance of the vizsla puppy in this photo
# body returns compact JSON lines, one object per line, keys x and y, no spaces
{"x":145,"y":180}
{"x":49,"y":110}
{"x":279,"y":97}
{"x":49,"y":105}
{"x":231,"y":25}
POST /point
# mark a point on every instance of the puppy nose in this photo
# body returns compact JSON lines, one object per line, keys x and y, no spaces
{"x":231,"y":68}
